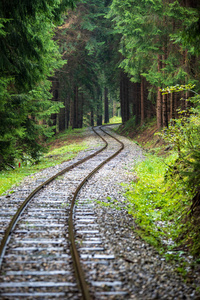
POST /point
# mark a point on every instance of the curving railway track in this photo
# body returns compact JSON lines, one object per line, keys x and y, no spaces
{"x":54,"y":235}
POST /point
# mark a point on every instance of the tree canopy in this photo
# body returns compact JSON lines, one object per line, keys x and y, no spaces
{"x":28,"y":57}
{"x":88,"y":44}
{"x":89,"y":59}
{"x":156,"y":45}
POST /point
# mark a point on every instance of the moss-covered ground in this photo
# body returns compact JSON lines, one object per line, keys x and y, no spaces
{"x":60,"y":148}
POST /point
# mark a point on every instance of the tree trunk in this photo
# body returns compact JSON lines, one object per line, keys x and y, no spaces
{"x":159,"y":98}
{"x":142,"y":100}
{"x":75,"y":110}
{"x":122,"y":96}
{"x":71,"y":111}
{"x":126,"y":98}
{"x":138,"y":103}
{"x":80,"y":115}
{"x":99,"y":111}
{"x":159,"y":109}
{"x":171,"y":114}
{"x":165,"y":111}
{"x":67,"y":112}
{"x":164,"y":97}
{"x":61,"y":119}
{"x":106,"y":108}
{"x":175,"y":114}
{"x":92,"y":117}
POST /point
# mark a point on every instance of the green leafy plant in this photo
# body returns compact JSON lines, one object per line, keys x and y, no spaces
{"x":29,"y":56}
{"x":11,"y":177}
{"x":165,"y":199}
{"x":184,"y":135}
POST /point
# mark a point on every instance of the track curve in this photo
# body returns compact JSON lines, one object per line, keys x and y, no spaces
{"x":85,"y":294}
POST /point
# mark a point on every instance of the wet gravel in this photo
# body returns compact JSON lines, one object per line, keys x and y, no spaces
{"x":17,"y":194}
{"x":142,"y":271}
{"x":134,"y":266}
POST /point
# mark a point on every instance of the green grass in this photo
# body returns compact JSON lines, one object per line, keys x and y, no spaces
{"x":160,"y":208}
{"x":156,"y":202}
{"x":9,"y":178}
{"x":116,"y":120}
{"x":65,"y":152}
{"x":67,"y":133}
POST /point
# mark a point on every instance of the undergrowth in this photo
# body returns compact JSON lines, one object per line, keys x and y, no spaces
{"x":59,"y":154}
{"x":165,"y":200}
{"x":115,"y":119}
{"x":160,"y":207}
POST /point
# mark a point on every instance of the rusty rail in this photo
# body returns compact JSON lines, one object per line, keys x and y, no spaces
{"x":77,"y":266}
{"x":76,"y":259}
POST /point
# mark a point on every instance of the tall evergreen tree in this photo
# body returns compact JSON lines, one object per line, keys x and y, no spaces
{"x":151,"y":32}
{"x":86,"y":41}
{"x":28,"y":56}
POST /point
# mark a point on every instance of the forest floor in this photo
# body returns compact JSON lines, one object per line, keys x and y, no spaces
{"x":146,"y":137}
{"x":71,"y":139}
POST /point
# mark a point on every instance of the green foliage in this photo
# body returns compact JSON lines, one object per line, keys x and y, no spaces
{"x":28,"y":57}
{"x":165,"y":198}
{"x":88,"y":44}
{"x":115,"y":120}
{"x":178,"y":88}
{"x":21,"y":131}
{"x":9,"y":178}
{"x":189,"y":16}
{"x":135,"y":20}
{"x":129,"y":125}
{"x":159,"y":205}
{"x":184,"y":135}
{"x":157,"y":33}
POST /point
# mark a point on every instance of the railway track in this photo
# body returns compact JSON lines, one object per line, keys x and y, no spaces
{"x":53,"y":238}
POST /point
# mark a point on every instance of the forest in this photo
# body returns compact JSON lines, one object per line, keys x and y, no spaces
{"x":70,"y":64}
{"x":75,"y":63}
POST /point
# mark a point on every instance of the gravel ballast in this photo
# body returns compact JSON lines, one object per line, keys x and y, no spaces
{"x":144,"y":274}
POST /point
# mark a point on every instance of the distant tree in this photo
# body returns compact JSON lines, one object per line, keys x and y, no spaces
{"x":86,"y":41}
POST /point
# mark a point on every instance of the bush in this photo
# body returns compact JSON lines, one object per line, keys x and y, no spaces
{"x":165,"y":200}
{"x":184,"y":135}
{"x":157,"y":204}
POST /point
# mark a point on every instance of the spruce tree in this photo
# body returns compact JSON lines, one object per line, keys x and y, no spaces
{"x":151,"y":32}
{"x":28,"y":56}
{"x":87,"y":43}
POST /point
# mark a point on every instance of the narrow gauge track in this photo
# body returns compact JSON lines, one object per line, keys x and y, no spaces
{"x":37,"y":241}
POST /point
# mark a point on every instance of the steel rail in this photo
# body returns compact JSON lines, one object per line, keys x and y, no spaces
{"x":122,"y":144}
{"x":77,"y":265}
{"x":76,"y":259}
{"x":23,"y":206}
